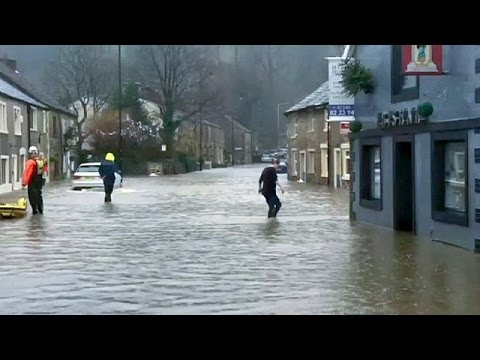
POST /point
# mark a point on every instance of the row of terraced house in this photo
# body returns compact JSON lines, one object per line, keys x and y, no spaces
{"x":29,"y":117}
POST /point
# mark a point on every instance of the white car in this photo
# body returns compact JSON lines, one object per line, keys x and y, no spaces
{"x":266,"y":158}
{"x":87,"y":177}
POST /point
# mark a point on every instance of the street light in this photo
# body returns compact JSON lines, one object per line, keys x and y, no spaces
{"x":120,"y":106}
{"x":278,"y":119}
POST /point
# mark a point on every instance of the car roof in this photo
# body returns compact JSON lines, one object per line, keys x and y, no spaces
{"x":90,"y":164}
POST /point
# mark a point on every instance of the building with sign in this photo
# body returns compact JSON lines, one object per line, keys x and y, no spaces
{"x":416,"y":162}
{"x":318,"y":150}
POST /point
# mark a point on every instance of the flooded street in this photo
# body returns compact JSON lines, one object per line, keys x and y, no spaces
{"x":201,"y":243}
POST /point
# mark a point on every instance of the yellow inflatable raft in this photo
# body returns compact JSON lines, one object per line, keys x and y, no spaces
{"x":18,"y":210}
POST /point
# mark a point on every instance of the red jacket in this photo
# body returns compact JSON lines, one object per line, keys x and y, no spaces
{"x":31,"y":169}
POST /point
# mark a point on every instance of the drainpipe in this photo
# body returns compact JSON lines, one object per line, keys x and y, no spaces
{"x":328,"y":146}
{"x":28,"y":126}
{"x":47,"y":134}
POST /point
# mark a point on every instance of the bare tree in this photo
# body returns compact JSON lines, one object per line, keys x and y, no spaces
{"x":182,"y":78}
{"x":83,"y":74}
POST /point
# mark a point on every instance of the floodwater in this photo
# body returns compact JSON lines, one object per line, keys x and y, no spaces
{"x":201,"y":243}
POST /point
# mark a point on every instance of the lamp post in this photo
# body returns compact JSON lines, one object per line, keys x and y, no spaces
{"x":120,"y":157}
{"x":278,"y":119}
{"x":233,"y":142}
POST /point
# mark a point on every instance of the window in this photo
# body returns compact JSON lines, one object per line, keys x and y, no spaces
{"x":294,"y":126}
{"x":404,"y":88}
{"x":18,"y":120}
{"x":449,"y":177}
{"x":54,"y":126}
{"x":3,"y":118}
{"x":371,"y":174}
{"x":34,"y":125}
{"x":324,"y":160}
{"x":325,"y":120}
{"x":311,"y":124}
{"x":4,"y":171}
{"x":311,"y":162}
{"x":44,"y":122}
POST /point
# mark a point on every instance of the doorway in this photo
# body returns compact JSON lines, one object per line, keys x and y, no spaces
{"x":303,"y":166}
{"x":403,"y":185}
{"x":337,"y":167}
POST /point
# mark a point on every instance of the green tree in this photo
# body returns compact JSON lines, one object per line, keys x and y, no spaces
{"x":131,"y":103}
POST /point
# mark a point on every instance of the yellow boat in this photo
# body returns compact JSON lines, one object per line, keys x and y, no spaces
{"x":16,"y":210}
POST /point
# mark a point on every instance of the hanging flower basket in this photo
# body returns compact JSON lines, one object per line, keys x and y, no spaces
{"x":356,"y":78}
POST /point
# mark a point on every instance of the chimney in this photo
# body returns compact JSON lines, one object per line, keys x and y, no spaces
{"x":12,"y":64}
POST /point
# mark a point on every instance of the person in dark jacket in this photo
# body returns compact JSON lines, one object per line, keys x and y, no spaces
{"x":107,"y":171}
{"x":268,"y":188}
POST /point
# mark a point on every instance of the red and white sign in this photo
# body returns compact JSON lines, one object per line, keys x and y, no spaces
{"x":344,"y":128}
{"x":422,"y":59}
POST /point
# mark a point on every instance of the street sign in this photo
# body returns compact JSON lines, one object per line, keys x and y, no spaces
{"x":344,"y":128}
{"x":340,"y":106}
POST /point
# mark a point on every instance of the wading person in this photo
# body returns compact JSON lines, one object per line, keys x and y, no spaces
{"x":107,"y":171}
{"x":33,"y":177}
{"x":267,"y":186}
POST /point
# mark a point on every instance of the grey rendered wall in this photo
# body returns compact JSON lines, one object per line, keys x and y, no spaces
{"x":383,"y":217}
{"x":11,"y":138}
{"x":428,"y":228}
{"x":452,"y":95}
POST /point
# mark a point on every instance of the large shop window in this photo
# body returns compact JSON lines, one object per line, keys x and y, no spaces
{"x":371,"y":174}
{"x":450,"y":177}
{"x":404,"y":88}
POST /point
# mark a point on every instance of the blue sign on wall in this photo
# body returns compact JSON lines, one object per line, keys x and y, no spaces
{"x":341,"y":110}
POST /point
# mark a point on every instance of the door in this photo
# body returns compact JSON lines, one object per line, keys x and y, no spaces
{"x":293,"y":165}
{"x":15,"y":172}
{"x":303,"y":166}
{"x":403,"y":185}
{"x":337,"y":168}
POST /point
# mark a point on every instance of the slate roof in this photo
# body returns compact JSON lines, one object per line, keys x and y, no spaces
{"x":13,"y":92}
{"x":17,"y":80}
{"x":318,"y":98}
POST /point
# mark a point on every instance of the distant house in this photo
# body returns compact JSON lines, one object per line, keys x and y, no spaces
{"x":202,"y":139}
{"x":43,"y":120}
{"x":318,"y":150}
{"x":238,"y":141}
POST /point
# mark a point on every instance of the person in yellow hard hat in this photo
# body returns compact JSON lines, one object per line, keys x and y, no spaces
{"x":107,"y":171}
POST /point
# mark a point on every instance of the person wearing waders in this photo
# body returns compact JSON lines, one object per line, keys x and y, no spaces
{"x":268,"y":188}
{"x":107,"y":171}
{"x":33,"y":177}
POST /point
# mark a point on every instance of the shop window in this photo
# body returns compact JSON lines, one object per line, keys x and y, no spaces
{"x":371,"y":174}
{"x":449,"y":177}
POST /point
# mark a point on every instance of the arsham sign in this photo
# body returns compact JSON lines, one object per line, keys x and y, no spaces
{"x":399,"y":118}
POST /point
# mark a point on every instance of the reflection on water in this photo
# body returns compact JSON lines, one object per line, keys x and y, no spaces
{"x":270,"y":228}
{"x":201,"y":243}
